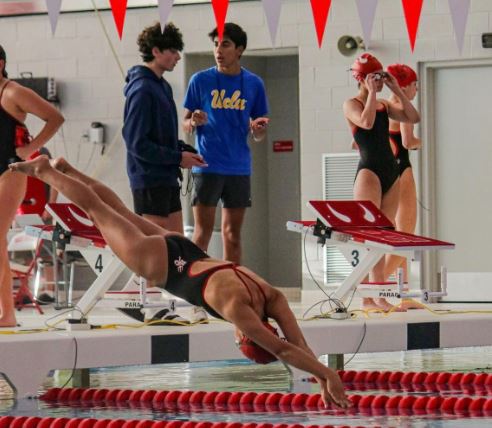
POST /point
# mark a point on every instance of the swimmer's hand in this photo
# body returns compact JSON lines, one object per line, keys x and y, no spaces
{"x":332,"y":391}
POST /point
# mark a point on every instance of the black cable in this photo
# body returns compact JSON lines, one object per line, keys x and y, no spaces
{"x":422,"y":205}
{"x":359,"y":346}
{"x":338,"y":303}
{"x":74,"y":363}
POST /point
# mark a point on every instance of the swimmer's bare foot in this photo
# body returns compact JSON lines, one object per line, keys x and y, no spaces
{"x":411,"y":304}
{"x":8,"y":321}
{"x":60,"y":164}
{"x":380,"y":305}
{"x":33,"y":168}
{"x":387,"y":306}
{"x":368,"y":304}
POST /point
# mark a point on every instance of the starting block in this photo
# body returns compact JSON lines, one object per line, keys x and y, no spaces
{"x":74,"y":231}
{"x":364,"y":235}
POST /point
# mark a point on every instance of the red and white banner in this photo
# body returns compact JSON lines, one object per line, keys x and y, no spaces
{"x":119,"y":13}
{"x":272,"y":12}
{"x":165,"y":7}
{"x":459,"y":10}
{"x":459,"y":13}
{"x":220,"y":11}
{"x":412,"y":10}
{"x":367,"y":12}
{"x":321,"y":9}
{"x":53,"y":7}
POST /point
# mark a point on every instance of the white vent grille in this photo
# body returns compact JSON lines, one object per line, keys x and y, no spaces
{"x":338,"y":181}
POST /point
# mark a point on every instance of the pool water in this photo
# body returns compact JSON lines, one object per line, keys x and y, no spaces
{"x":243,"y":376}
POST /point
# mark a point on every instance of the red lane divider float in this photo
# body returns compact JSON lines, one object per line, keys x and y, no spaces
{"x":37,"y":422}
{"x":226,"y":401}
{"x":471,"y":383}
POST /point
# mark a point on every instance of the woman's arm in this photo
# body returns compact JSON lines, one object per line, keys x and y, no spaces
{"x":360,"y":116}
{"x":29,"y":102}
{"x":409,"y":140}
{"x":404,"y":111}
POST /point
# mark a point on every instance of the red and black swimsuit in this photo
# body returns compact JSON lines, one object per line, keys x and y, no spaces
{"x":401,"y":155}
{"x":375,"y":150}
{"x":8,"y":128}
{"x":182,"y":253}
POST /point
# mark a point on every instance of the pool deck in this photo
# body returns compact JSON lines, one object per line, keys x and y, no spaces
{"x":26,"y":359}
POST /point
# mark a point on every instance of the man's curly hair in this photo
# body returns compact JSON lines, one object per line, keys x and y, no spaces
{"x":153,"y":37}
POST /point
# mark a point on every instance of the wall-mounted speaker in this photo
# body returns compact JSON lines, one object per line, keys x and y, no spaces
{"x":349,"y":45}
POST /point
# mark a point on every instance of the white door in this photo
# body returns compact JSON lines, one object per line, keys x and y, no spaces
{"x":463,"y":174}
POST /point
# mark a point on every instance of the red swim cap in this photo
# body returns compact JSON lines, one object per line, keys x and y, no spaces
{"x":403,"y":74}
{"x":364,"y":65}
{"x":255,"y":352}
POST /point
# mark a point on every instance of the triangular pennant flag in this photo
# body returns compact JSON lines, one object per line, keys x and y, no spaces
{"x":459,"y":13}
{"x":220,"y":12}
{"x":321,"y":8}
{"x":119,"y":12}
{"x":412,"y":9}
{"x":53,"y":7}
{"x":165,"y":7}
{"x":272,"y":13}
{"x":367,"y":12}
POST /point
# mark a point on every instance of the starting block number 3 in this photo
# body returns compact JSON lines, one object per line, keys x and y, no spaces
{"x":355,"y":258}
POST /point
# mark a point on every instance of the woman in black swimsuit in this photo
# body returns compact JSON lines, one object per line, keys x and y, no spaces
{"x":402,"y":139}
{"x":377,"y":173}
{"x":15,"y":103}
{"x":172,"y":262}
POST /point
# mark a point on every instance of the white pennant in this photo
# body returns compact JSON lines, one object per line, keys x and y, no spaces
{"x":165,"y":7}
{"x":53,"y":7}
{"x":459,"y":13}
{"x":272,"y":13}
{"x":367,"y":12}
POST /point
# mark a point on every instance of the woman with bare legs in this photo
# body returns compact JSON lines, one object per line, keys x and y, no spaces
{"x":377,"y":178}
{"x":172,"y":262}
{"x":402,"y":140}
{"x":16,"y":102}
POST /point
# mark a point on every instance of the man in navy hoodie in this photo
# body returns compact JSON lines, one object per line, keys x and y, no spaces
{"x":150,"y":131}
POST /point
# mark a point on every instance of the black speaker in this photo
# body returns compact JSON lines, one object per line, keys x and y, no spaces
{"x":487,"y":40}
{"x":45,"y":87}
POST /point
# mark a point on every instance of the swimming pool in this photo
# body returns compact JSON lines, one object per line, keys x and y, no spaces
{"x":234,"y":376}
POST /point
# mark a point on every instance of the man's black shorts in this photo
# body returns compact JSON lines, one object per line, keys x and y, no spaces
{"x":161,"y":200}
{"x":233,"y":190}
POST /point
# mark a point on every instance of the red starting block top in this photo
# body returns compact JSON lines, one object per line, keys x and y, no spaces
{"x":393,"y":238}
{"x":359,"y":214}
{"x":363,"y":222}
{"x":74,"y":220}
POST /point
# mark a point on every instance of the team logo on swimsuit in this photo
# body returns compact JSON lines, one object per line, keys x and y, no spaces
{"x":180,"y":264}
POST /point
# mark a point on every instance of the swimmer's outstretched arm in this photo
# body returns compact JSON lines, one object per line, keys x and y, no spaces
{"x":295,"y":354}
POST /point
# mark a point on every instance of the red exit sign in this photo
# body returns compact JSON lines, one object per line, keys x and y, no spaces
{"x":283,"y":146}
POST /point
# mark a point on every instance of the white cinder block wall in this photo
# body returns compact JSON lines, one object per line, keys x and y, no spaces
{"x":79,"y":57}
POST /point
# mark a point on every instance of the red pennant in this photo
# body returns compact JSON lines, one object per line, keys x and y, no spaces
{"x":220,"y":12}
{"x":119,"y":12}
{"x":321,"y":8}
{"x":412,"y":9}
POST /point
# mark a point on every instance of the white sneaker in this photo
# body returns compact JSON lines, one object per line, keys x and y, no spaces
{"x":168,"y":316}
{"x":199,"y":315}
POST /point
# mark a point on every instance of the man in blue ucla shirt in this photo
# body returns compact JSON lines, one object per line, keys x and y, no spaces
{"x":224,"y":104}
